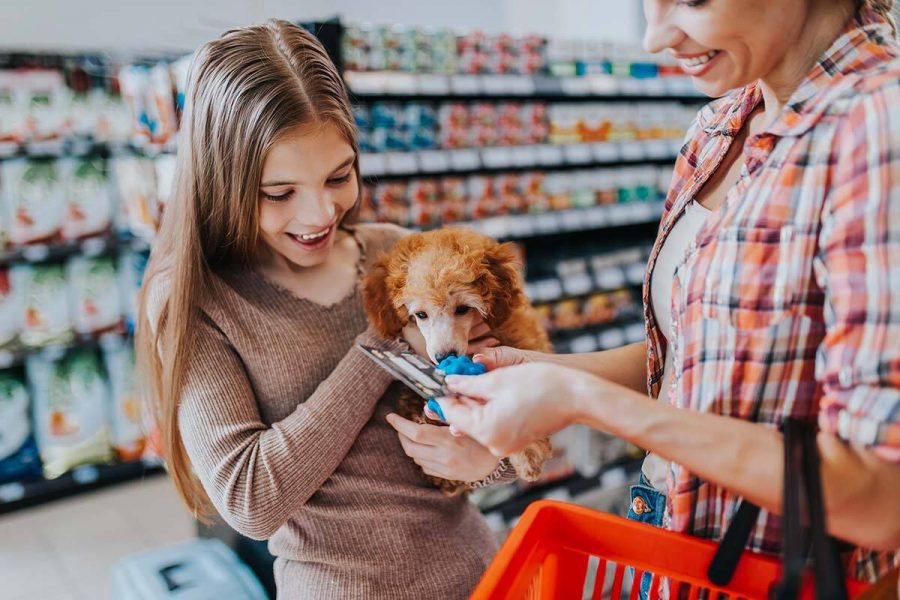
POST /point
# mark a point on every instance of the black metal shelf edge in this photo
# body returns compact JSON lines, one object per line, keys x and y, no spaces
{"x":21,"y":495}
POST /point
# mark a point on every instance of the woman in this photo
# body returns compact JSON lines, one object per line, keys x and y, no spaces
{"x":772,"y":291}
{"x":249,"y":318}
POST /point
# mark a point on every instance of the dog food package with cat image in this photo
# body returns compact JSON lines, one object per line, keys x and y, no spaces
{"x":90,"y":207}
{"x":71,"y":410}
{"x":34,"y":199}
{"x":10,"y":310}
{"x":126,"y":412}
{"x":45,"y":305}
{"x":94,"y":295}
{"x":19,"y":457}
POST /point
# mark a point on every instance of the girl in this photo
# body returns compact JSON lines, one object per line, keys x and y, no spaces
{"x":249,"y":317}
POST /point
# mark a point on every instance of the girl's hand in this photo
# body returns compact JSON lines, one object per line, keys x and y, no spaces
{"x":441,"y":454}
{"x":507,"y":409}
{"x":412,"y":336}
{"x":481,"y":339}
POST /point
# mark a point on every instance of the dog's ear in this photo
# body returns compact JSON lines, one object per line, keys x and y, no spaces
{"x":378,"y":301}
{"x":502,"y":284}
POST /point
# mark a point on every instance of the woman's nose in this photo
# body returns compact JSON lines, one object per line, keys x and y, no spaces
{"x":661,"y":32}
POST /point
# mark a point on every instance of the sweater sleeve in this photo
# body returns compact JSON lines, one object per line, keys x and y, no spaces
{"x":256,"y":475}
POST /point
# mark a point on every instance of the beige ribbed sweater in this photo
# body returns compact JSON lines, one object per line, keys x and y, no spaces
{"x":284,"y":422}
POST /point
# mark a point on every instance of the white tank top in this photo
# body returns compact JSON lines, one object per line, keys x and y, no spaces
{"x":670,"y":255}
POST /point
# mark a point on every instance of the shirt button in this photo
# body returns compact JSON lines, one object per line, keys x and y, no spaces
{"x":845,"y":376}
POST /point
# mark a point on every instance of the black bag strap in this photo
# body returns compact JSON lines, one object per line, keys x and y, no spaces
{"x":802,"y":488}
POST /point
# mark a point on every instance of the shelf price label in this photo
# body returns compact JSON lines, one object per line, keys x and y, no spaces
{"x":578,"y":153}
{"x":465,"y":159}
{"x":430,"y":84}
{"x":372,"y":164}
{"x":434,"y":161}
{"x":550,"y":155}
{"x":465,"y":85}
{"x":401,"y":163}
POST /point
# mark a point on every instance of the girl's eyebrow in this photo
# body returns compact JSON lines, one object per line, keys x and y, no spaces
{"x":346,"y":163}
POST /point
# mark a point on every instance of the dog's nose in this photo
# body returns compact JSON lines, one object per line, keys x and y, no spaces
{"x":442,"y":355}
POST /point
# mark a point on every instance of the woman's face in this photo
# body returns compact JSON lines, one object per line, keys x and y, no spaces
{"x":307,"y":186}
{"x":725,"y":44}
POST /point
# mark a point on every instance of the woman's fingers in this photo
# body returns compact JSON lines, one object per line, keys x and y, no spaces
{"x":500,"y":356}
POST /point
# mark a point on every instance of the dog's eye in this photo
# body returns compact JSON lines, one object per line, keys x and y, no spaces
{"x":461,"y":310}
{"x":421,"y":316}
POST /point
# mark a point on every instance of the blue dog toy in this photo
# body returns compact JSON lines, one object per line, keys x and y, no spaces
{"x":461,"y":365}
{"x":455,"y":365}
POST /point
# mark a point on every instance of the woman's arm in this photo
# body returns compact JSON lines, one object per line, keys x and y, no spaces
{"x":626,"y":365}
{"x":257,"y":476}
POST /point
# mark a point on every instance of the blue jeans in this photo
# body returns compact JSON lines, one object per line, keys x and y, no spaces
{"x":648,"y":505}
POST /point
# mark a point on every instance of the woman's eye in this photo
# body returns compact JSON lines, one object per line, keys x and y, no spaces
{"x":421,"y":316}
{"x":461,"y":310}
{"x":278,"y":198}
{"x":339,"y":180}
{"x":692,"y":3}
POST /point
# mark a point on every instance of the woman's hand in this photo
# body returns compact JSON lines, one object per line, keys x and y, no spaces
{"x":441,"y":454}
{"x":507,"y":409}
{"x":505,"y":356}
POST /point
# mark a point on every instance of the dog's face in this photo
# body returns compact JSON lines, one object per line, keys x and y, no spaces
{"x":445,"y":281}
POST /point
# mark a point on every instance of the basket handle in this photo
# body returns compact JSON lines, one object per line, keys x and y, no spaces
{"x":802,"y":485}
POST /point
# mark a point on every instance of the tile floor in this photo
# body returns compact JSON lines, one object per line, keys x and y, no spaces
{"x":66,"y":549}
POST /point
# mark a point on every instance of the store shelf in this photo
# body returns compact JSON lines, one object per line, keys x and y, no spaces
{"x":626,"y":330}
{"x":19,"y":495}
{"x":553,"y":289}
{"x":77,"y":147}
{"x":615,"y":474}
{"x":14,"y":357}
{"x":372,"y":86}
{"x":435,"y":163}
{"x":579,"y":219}
{"x":56,"y":251}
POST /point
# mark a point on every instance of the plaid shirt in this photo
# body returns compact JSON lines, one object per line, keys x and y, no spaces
{"x":788,"y":301}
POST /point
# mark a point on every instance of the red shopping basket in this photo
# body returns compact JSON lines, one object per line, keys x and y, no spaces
{"x":548,"y":556}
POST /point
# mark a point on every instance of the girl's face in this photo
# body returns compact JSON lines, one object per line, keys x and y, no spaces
{"x":307,"y":186}
{"x":725,"y":44}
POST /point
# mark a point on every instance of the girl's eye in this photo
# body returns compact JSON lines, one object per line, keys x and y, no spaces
{"x":421,"y":316}
{"x":692,"y":3}
{"x":339,"y":180}
{"x":279,"y":198}
{"x":461,"y":310}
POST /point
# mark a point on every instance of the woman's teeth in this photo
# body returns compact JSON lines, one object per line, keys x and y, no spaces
{"x":699,"y":60}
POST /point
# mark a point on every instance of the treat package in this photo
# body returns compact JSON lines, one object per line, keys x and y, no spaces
{"x":10,"y":310}
{"x":34,"y":200}
{"x":131,"y":269}
{"x":90,"y":209}
{"x":71,"y":403}
{"x":19,"y":459}
{"x":127,"y":417}
{"x":138,"y":191}
{"x":94,"y":294}
{"x":425,"y":202}
{"x":45,"y":304}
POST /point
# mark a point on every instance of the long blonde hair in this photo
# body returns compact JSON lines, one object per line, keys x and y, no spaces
{"x":245,"y":89}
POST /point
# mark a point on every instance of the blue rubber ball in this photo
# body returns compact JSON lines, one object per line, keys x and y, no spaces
{"x":461,"y":365}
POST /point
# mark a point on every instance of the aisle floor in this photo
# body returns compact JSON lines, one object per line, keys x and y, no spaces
{"x":66,"y":549}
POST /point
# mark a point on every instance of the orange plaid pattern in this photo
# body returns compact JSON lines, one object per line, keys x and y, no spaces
{"x":788,"y":301}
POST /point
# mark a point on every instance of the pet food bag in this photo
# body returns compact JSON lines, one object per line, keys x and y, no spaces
{"x":90,"y":208}
{"x":71,"y":403}
{"x":34,"y":200}
{"x":127,"y":415}
{"x":19,"y":457}
{"x":44,"y":303}
{"x":138,"y":192}
{"x":131,"y":274}
{"x":10,"y":310}
{"x":94,"y":294}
